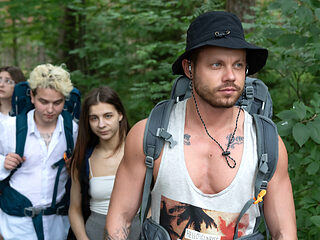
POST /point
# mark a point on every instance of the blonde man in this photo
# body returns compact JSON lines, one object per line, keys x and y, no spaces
{"x":45,"y":145}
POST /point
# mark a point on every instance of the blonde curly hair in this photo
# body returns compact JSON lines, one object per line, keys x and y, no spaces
{"x":49,"y":76}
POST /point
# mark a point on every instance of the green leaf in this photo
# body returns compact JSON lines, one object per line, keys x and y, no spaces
{"x":317,"y":13}
{"x":288,"y":6}
{"x":285,"y":127}
{"x":300,"y":109}
{"x":300,"y":133}
{"x":315,"y":220}
{"x":287,"y":115}
{"x":314,"y":129}
{"x":287,"y":39}
{"x":304,"y":14}
{"x":312,"y":168}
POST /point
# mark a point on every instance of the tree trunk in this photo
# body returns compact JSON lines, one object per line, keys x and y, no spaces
{"x":68,"y":38}
{"x":240,"y":8}
{"x":82,"y":31}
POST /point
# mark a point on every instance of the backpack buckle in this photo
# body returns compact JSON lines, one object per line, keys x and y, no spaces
{"x":161,"y":132}
{"x":264,"y":184}
{"x":249,"y":92}
{"x":260,"y":196}
{"x":61,"y":210}
{"x":33,"y":211}
{"x":149,"y":162}
{"x":264,"y":163}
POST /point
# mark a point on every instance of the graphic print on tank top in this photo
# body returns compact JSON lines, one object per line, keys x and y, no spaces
{"x":184,"y":221}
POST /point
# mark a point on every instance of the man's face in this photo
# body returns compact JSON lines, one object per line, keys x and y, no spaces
{"x":6,"y":85}
{"x":219,"y":75}
{"x":48,"y":105}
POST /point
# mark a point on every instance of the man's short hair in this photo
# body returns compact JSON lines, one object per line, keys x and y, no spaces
{"x":49,"y":76}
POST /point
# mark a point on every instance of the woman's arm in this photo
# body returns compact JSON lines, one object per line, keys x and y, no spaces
{"x":75,"y":212}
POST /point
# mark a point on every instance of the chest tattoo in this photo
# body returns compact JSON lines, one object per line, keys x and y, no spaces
{"x":46,"y":138}
{"x":187,"y":139}
{"x":237,"y":140}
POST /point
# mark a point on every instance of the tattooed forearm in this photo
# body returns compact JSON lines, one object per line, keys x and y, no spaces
{"x":237,"y":140}
{"x":121,"y":234}
{"x":187,"y":139}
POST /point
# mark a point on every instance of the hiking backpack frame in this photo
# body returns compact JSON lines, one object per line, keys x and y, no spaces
{"x":11,"y":201}
{"x":257,"y":101}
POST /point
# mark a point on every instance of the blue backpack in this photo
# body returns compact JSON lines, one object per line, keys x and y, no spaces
{"x":12,"y":202}
{"x":257,"y":101}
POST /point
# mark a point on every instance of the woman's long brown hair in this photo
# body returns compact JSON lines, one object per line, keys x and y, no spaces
{"x":86,"y":138}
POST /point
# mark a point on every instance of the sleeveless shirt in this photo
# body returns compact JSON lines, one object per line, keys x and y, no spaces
{"x":100,"y":191}
{"x":188,"y":213}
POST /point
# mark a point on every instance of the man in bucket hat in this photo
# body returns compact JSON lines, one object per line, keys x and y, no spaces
{"x":202,"y":183}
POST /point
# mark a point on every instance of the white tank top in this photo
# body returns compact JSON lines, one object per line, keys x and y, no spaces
{"x":100,"y":189}
{"x":188,"y":213}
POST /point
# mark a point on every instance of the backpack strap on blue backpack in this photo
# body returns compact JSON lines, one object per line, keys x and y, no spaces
{"x":267,"y":148}
{"x":68,"y":131}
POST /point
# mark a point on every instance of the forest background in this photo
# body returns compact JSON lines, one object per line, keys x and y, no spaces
{"x":131,"y":44}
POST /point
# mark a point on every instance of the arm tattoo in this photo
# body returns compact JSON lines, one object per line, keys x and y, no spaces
{"x":121,"y":234}
{"x":187,"y":139}
{"x":237,"y":140}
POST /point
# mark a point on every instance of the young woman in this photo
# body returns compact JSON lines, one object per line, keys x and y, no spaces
{"x":103,"y":126}
{"x":9,"y":76}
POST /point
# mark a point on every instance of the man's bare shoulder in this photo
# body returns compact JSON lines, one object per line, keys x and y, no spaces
{"x":137,"y":129}
{"x":134,"y":141}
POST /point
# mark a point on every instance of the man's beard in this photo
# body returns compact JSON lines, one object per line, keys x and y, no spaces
{"x":211,"y":97}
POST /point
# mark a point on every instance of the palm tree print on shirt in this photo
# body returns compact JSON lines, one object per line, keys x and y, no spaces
{"x":178,"y":218}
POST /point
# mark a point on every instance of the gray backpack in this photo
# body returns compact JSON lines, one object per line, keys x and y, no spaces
{"x":257,"y":101}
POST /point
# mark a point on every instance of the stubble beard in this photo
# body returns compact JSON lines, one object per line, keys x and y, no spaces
{"x":212,"y":97}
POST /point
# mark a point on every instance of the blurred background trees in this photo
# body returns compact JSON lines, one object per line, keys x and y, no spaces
{"x":131,"y":44}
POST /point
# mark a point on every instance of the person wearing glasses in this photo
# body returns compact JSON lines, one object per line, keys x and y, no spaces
{"x":9,"y":76}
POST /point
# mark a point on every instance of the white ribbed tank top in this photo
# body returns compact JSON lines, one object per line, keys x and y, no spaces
{"x":191,"y":214}
{"x":100,"y":189}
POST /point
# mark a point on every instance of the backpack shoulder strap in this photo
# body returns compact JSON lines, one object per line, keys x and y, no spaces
{"x":21,"y":135}
{"x":181,"y":89}
{"x":267,"y":149}
{"x":21,"y":132}
{"x":68,"y":131}
{"x":155,"y":135}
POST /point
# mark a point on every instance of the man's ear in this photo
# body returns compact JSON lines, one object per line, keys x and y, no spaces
{"x":187,"y":68}
{"x":32,"y":96}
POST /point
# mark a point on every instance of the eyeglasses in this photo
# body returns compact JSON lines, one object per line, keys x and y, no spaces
{"x":7,"y":81}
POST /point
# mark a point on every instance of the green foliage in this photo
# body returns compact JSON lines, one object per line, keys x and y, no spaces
{"x":290,"y":30}
{"x":300,"y":129}
{"x":131,"y":45}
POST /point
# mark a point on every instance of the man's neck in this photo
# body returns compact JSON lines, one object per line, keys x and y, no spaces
{"x":216,"y":118}
{"x":45,"y":128}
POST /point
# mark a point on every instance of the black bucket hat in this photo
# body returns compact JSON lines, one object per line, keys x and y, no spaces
{"x":221,"y":29}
